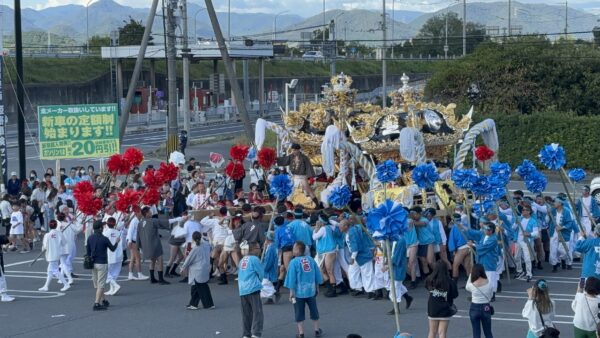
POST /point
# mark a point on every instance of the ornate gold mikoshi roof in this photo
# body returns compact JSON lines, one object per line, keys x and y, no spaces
{"x":376,"y":130}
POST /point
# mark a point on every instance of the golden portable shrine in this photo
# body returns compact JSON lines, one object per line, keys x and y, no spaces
{"x":346,"y":139}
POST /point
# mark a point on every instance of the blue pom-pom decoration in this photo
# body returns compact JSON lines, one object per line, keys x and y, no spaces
{"x":525,"y":169}
{"x":553,"y":156}
{"x":481,"y":186}
{"x":387,"y":221}
{"x":497,"y":187}
{"x":576,"y":175}
{"x":387,"y":171}
{"x":425,"y":175}
{"x":340,"y":197}
{"x":536,"y":182}
{"x":281,"y":186}
{"x":464,"y":178}
{"x":501,"y":171}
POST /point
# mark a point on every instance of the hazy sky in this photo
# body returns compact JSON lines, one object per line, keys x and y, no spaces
{"x":304,"y":7}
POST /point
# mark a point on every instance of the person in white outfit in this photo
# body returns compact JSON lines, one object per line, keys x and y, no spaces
{"x":4,"y":297}
{"x":115,"y":258}
{"x":134,"y":250}
{"x":539,"y":309}
{"x":70,"y":230}
{"x":585,"y":308}
{"x":17,"y":229}
{"x":53,"y":246}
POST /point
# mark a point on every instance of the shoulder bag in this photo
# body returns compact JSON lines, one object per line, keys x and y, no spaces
{"x":88,"y":260}
{"x":491,"y":308}
{"x":550,"y":331}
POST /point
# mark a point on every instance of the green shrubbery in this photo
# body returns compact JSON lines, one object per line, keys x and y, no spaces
{"x":521,"y":136}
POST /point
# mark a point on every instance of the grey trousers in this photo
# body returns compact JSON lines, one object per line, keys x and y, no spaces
{"x":252,"y":314}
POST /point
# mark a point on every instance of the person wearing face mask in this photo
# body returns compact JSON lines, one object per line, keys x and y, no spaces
{"x":32,"y":178}
{"x":257,"y":175}
{"x":84,"y":176}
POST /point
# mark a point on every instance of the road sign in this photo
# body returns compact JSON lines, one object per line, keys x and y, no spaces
{"x":78,"y":131}
{"x":3,"y":152}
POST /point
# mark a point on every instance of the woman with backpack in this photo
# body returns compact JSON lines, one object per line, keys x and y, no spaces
{"x":539,"y":309}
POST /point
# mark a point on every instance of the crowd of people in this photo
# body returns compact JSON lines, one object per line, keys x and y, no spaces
{"x":221,"y":232}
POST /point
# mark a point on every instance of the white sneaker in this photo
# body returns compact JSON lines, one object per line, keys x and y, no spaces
{"x":141,"y":276}
{"x":6,"y":298}
{"x":131,"y":276}
{"x":70,"y":280}
{"x":110,"y":291}
{"x":65,"y":288}
{"x":116,"y":289}
{"x":43,"y":289}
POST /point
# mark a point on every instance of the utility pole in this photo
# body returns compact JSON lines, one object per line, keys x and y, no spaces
{"x":172,"y":128}
{"x":229,"y":20}
{"x":465,"y":27}
{"x":186,"y":68}
{"x":332,"y":38}
{"x":235,"y":87}
{"x":136,"y":71}
{"x":566,"y":17}
{"x":393,"y":25}
{"x":446,"y":37}
{"x":323,"y":37}
{"x":383,"y":61}
{"x":509,"y":17}
{"x":20,"y":90}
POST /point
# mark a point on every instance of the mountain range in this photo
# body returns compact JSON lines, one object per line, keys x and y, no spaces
{"x":356,"y":24}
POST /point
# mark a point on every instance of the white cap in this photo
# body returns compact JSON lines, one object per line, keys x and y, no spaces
{"x":14,"y":173}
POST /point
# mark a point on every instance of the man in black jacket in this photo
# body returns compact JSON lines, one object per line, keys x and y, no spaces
{"x":97,"y":244}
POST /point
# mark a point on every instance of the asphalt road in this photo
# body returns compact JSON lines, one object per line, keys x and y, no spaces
{"x":145,"y":310}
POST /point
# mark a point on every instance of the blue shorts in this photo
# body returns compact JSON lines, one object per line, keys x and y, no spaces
{"x":299,"y":309}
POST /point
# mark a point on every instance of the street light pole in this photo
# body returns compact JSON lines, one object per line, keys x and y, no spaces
{"x":323,"y":35}
{"x":87,"y":26}
{"x":383,"y":61}
{"x":186,"y":68}
{"x":229,"y":20}
{"x":275,"y":24}
{"x":195,"y":24}
{"x":464,"y":27}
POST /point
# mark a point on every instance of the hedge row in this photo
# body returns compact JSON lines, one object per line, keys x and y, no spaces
{"x":522,"y":136}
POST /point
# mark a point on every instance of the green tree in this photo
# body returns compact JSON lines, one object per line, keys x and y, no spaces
{"x":96,"y":42}
{"x":431,"y":38}
{"x":131,"y":33}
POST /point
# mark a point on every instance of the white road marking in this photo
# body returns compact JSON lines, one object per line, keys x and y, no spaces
{"x":48,"y":294}
{"x":518,"y":315}
{"x":18,"y":263}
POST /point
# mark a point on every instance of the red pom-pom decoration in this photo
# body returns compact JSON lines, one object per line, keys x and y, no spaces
{"x":88,"y":204}
{"x":127,"y":199}
{"x":117,"y":165}
{"x":134,"y":156}
{"x":483,"y":153}
{"x":151,"y":197}
{"x":153,"y":179}
{"x":266,"y":157}
{"x":239,"y":152}
{"x":235,"y":170}
{"x":82,"y":188}
{"x":168,"y":172}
